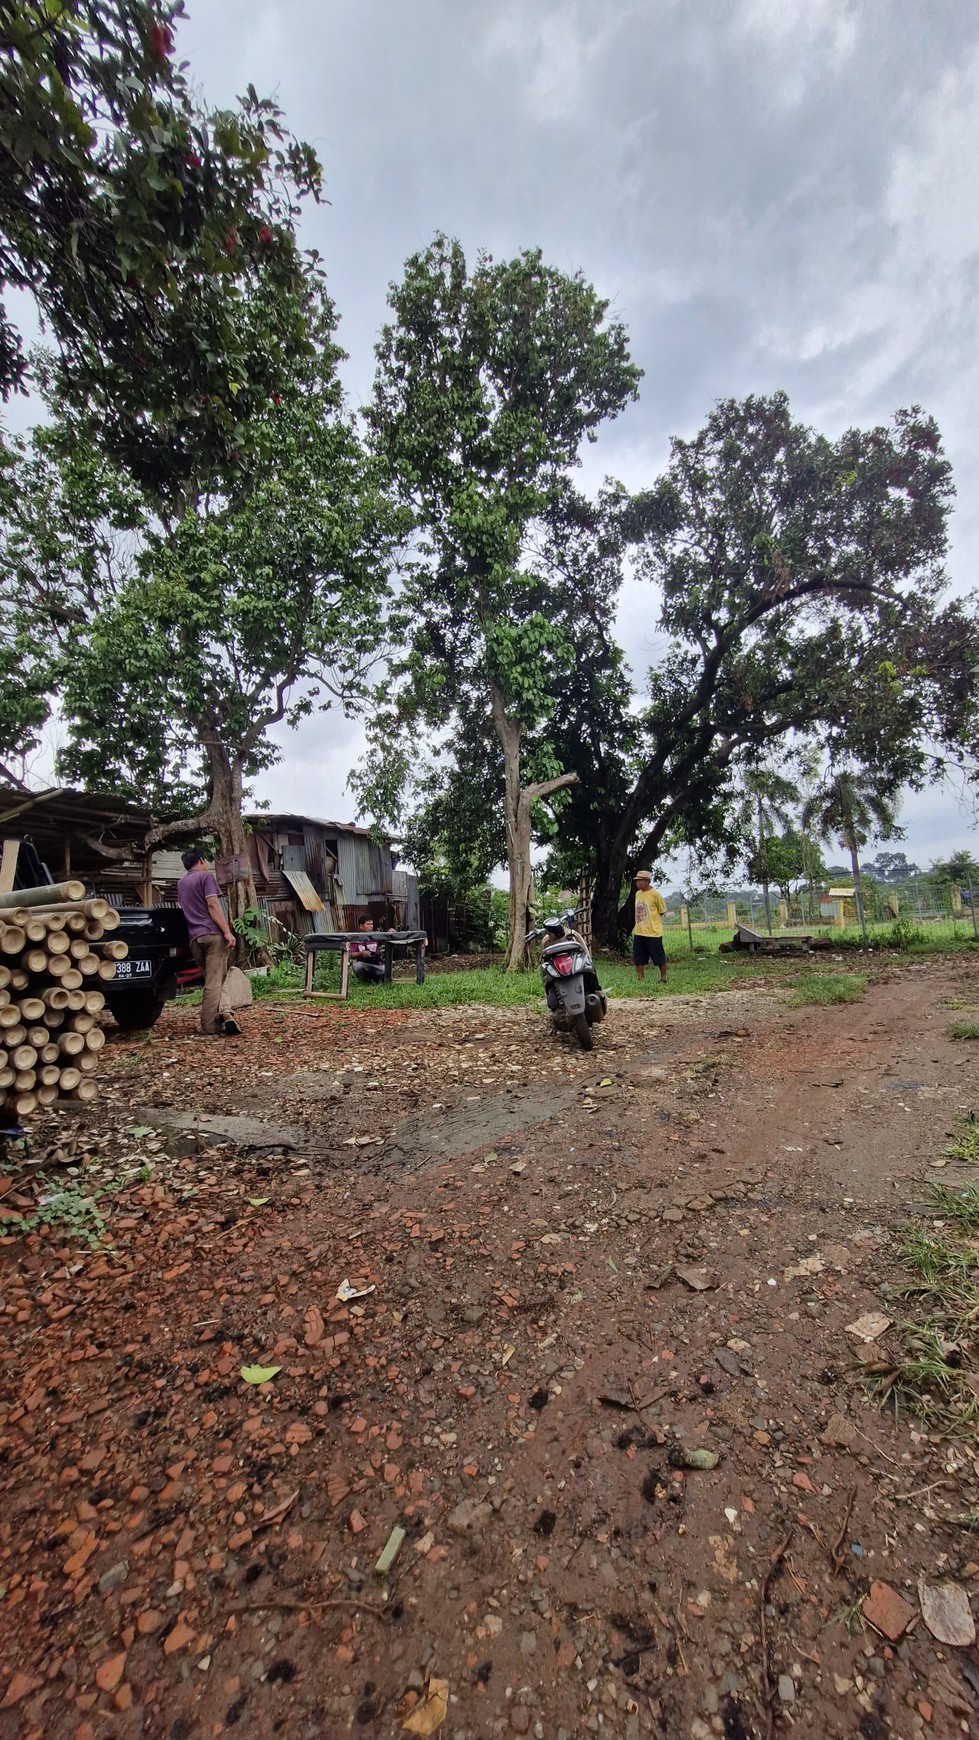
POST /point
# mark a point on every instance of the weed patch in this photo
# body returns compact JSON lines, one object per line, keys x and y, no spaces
{"x":936,"y":1374}
{"x":966,"y":1144}
{"x":964,"y":1030}
{"x":824,"y":989}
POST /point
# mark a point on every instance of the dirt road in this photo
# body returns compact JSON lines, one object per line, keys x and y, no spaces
{"x":587,"y":1274}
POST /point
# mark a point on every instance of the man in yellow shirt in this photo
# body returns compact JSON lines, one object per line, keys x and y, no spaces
{"x":647,"y":938}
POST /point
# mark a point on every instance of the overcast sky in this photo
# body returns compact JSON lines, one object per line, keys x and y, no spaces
{"x":773,"y":193}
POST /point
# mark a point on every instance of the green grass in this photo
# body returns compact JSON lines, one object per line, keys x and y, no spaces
{"x":964,"y":1030}
{"x":697,"y":972}
{"x":688,"y":974}
{"x":966,"y":1144}
{"x":940,"y":1347}
{"x":823,"y":989}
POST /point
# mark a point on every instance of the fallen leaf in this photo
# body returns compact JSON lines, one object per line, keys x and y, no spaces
{"x":946,"y":1611}
{"x":258,"y":1201}
{"x":430,"y":1715}
{"x":313,"y":1326}
{"x":698,"y":1280}
{"x":277,"y":1511}
{"x":869,"y":1327}
{"x":259,"y":1374}
{"x":142,"y":1130}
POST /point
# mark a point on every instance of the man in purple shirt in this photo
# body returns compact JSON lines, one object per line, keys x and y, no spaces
{"x":211,"y":937}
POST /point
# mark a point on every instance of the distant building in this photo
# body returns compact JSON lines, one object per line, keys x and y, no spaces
{"x":315,"y":875}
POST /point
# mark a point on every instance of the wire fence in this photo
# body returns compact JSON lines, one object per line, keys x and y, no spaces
{"x":900,"y":914}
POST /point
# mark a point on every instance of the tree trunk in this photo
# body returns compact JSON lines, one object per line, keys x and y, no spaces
{"x":223,"y":819}
{"x":857,"y":884}
{"x":761,"y":856}
{"x":518,"y":802}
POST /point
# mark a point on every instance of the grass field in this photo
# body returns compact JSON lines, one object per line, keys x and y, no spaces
{"x":836,"y":976}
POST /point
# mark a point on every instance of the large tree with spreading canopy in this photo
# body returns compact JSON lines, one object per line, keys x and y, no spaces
{"x":488,"y":381}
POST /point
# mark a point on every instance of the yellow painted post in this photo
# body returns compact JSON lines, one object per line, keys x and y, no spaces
{"x":783,"y":914}
{"x":956,"y":894}
{"x":841,"y":914}
{"x":732,"y":917}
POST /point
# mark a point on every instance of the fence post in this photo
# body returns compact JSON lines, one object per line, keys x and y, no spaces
{"x":972,"y":909}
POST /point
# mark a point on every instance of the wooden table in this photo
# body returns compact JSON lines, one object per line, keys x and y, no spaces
{"x":340,"y":941}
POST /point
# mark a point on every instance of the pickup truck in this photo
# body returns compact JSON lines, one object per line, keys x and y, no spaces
{"x":159,"y":964}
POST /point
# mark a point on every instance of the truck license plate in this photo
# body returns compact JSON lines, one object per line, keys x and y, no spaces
{"x":134,"y":969}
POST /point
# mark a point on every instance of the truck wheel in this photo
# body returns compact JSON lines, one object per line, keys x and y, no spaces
{"x":133,"y":1013}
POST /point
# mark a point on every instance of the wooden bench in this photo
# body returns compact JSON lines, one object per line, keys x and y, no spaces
{"x":339,"y":942}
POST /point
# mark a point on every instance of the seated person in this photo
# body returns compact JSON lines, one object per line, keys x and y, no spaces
{"x":367,"y":956}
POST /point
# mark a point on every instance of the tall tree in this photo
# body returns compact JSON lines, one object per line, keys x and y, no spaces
{"x":801,"y":583}
{"x":179,"y":644}
{"x":767,"y":799}
{"x":123,"y":201}
{"x":487,"y":383}
{"x":852,"y":805}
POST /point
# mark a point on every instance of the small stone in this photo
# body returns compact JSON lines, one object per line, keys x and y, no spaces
{"x":114,"y":1578}
{"x":728,"y":1362}
{"x":18,"y":1687}
{"x":468,"y":1517}
{"x":887,"y":1612}
{"x":110,"y":1672}
{"x":673,"y":1214}
{"x":520,"y":1719}
{"x":149,"y":1620}
{"x":528,"y":1643}
{"x":493,"y":1624}
{"x":786,"y":1688}
{"x":178,"y":1638}
{"x":840,"y":1432}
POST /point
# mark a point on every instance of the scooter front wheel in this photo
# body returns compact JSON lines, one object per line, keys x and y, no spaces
{"x":583,"y":1032}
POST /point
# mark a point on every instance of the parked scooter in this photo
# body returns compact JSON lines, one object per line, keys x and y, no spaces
{"x":574,"y":996}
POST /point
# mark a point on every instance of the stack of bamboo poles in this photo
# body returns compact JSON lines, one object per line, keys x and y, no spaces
{"x":55,"y":949}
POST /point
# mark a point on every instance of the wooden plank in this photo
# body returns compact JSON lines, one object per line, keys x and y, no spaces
{"x":8,"y":866}
{"x":330,"y":996}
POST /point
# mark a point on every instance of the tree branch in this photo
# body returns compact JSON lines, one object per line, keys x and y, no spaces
{"x":544,"y":788}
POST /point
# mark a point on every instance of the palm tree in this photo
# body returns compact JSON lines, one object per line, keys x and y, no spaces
{"x":850,"y":806}
{"x":767,"y":800}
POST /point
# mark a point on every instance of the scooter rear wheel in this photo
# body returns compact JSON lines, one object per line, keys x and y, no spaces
{"x":583,"y":1032}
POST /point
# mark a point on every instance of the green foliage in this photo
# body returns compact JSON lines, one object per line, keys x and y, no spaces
{"x":487,"y":382}
{"x":962,"y":869}
{"x":800,"y":582}
{"x":902,"y":935}
{"x":177,"y":646}
{"x":965,"y":1146}
{"x":822,"y":990}
{"x":130,"y":212}
{"x":931,"y":1374}
{"x":964,"y":1030}
{"x":250,"y":926}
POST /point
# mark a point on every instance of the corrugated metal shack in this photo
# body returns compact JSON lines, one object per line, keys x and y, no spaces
{"x":85,"y":834}
{"x":315,"y":875}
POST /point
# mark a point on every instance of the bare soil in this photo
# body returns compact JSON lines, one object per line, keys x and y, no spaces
{"x":185,"y":1554}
